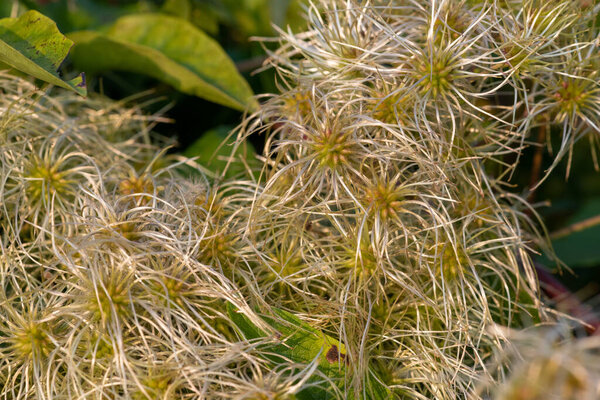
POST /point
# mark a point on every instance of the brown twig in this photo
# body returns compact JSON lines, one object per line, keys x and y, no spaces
{"x":576,"y":227}
{"x":536,"y":166}
{"x":250,"y":64}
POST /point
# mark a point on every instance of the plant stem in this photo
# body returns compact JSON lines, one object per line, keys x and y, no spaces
{"x":536,"y":166}
{"x":566,"y":301}
{"x":250,"y":64}
{"x":576,"y":227}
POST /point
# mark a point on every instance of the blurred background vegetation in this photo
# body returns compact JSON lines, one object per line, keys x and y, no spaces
{"x":232,"y":23}
{"x":199,"y":125}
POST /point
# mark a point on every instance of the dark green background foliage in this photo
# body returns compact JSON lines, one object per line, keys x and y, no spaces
{"x":204,"y":107}
{"x":231,"y":23}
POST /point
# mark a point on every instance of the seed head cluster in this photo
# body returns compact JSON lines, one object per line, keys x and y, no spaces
{"x":380,"y":218}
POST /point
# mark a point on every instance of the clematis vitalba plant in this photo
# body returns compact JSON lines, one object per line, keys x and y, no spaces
{"x":376,"y":251}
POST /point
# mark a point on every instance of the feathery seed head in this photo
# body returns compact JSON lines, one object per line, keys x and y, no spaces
{"x":135,"y":185}
{"x":45,"y":181}
{"x":107,"y":294}
{"x":549,"y":363}
{"x":157,"y":384}
{"x":217,"y":246}
{"x":361,"y":260}
{"x":298,"y":102}
{"x":100,"y":346}
{"x":452,"y":21}
{"x":331,"y":148}
{"x":450,"y":262}
{"x":282,"y":268}
{"x":30,"y":336}
{"x":379,"y":218}
{"x":435,"y":73}
{"x":391,"y":108}
{"x":31,"y":341}
{"x":571,"y":96}
{"x":385,"y":198}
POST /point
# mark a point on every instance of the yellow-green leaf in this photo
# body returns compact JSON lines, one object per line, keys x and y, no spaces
{"x":579,"y":248}
{"x":169,"y":49}
{"x":214,"y":150}
{"x":299,"y":342}
{"x":33,"y":45}
{"x":177,"y":8}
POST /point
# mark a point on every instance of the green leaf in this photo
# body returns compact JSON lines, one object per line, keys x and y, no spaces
{"x":299,"y":342}
{"x":246,"y":327}
{"x":33,"y":44}
{"x":177,"y":8}
{"x":246,"y":17}
{"x":205,"y":18}
{"x":78,"y":15}
{"x":214,"y":150}
{"x":581,"y":249}
{"x":304,"y":344}
{"x":169,"y":49}
{"x":6,"y":8}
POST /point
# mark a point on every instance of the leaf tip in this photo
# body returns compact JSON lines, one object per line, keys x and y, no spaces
{"x":79,"y":84}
